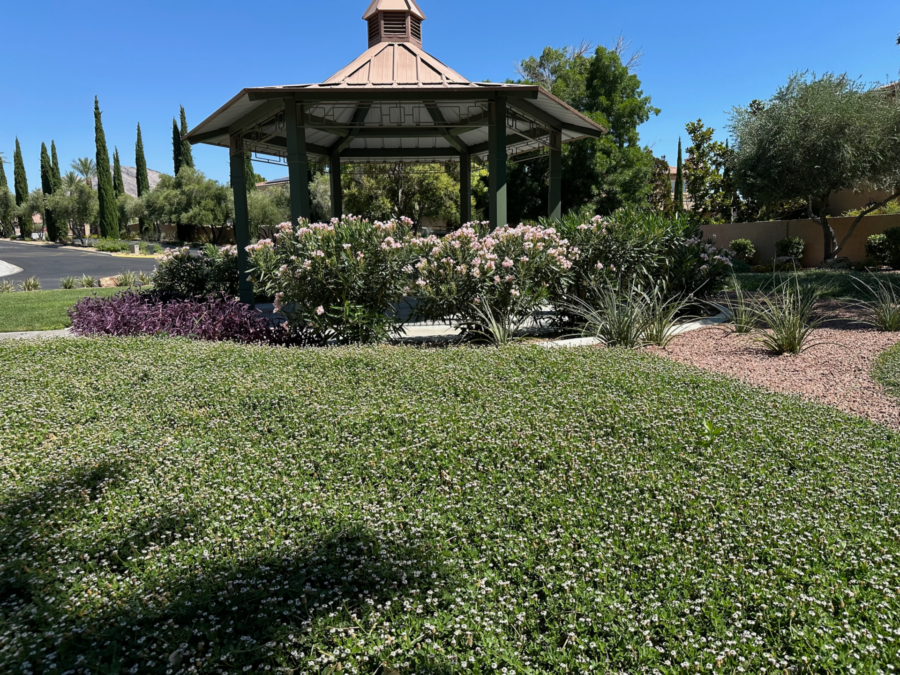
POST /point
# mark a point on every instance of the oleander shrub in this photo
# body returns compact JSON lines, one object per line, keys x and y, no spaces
{"x":877,"y":249}
{"x":216,"y":318}
{"x":790,"y":247}
{"x":512,"y":270}
{"x":212,"y":270}
{"x":340,"y":280}
{"x":646,"y":248}
{"x":743,"y":250}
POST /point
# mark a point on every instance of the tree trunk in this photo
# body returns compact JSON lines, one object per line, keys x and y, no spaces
{"x":862,"y":215}
{"x":822,"y":219}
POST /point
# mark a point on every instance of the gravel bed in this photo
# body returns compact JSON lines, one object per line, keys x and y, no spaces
{"x":836,"y":372}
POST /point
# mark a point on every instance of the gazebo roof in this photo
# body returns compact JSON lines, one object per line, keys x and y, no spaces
{"x":395,"y":102}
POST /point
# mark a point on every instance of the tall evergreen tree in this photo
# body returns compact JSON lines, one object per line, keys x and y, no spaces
{"x":249,"y":173}
{"x":3,"y":181}
{"x":177,"y":148}
{"x":109,"y":210}
{"x":187,"y":156}
{"x":48,"y":185}
{"x":140,"y":163}
{"x":19,"y":177}
{"x":118,"y":183}
{"x":679,"y":181}
{"x":54,"y":162}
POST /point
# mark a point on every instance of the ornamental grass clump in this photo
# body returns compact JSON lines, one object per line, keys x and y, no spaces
{"x":739,"y":309}
{"x":69,"y":282}
{"x":341,"y":281}
{"x":513,"y":270}
{"x":617,"y":315}
{"x":787,"y":318}
{"x":882,"y":308}
{"x":31,"y":284}
{"x":183,"y":274}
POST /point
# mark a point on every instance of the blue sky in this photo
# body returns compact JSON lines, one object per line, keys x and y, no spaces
{"x":145,"y":59}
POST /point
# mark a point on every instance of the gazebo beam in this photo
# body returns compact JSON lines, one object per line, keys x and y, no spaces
{"x":555,"y":195}
{"x":298,"y":164}
{"x":497,"y":164}
{"x":359,"y":116}
{"x":253,"y":116}
{"x":399,"y":153}
{"x":323,"y":95}
{"x":438,"y":118}
{"x":241,"y":217}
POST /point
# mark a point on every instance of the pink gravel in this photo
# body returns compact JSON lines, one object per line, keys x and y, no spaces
{"x":836,"y":372}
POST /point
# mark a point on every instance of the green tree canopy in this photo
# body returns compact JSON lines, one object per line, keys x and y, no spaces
{"x":118,"y":181}
{"x":20,"y":179}
{"x":705,"y":175}
{"x":76,"y":205}
{"x":187,"y":155}
{"x":54,"y":160}
{"x":177,"y":148}
{"x":7,"y":212}
{"x":109,"y":211}
{"x":47,"y":186}
{"x":3,"y":181}
{"x":86,"y":168}
{"x":190,"y":201}
{"x":140,"y":163}
{"x":603,"y":174}
{"x":679,"y":181}
{"x":814,"y":137}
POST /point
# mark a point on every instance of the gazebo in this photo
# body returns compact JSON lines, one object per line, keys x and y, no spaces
{"x":395,"y":103}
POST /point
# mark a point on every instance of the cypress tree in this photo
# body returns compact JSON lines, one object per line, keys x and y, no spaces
{"x":47,"y":189}
{"x":187,"y":155}
{"x":140,"y":163}
{"x":249,"y":173}
{"x":3,"y":182}
{"x":54,"y":162}
{"x":19,"y":177}
{"x":679,"y":181}
{"x":109,"y":211}
{"x":118,"y":183}
{"x":177,"y":148}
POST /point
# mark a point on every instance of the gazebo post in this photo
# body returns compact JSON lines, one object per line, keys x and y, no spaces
{"x":337,"y":190}
{"x":555,"y":197}
{"x":465,"y":188}
{"x":241,"y":218}
{"x":497,"y":163}
{"x":298,"y":163}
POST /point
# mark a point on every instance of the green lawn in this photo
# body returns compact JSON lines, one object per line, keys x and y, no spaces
{"x":838,"y":284}
{"x":42,"y":310}
{"x":887,"y":370}
{"x":167,"y":505}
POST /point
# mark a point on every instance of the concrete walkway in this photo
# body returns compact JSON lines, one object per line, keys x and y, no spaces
{"x":6,"y":269}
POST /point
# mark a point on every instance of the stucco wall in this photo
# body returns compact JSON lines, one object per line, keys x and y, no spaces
{"x":765,"y":235}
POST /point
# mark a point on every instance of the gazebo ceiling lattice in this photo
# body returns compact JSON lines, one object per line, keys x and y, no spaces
{"x":395,"y":103}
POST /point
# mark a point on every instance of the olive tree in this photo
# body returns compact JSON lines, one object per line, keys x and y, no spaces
{"x":814,"y":137}
{"x":77,"y":205}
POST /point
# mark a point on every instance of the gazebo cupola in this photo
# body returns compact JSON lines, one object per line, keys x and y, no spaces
{"x":393,"y":103}
{"x":394,"y":21}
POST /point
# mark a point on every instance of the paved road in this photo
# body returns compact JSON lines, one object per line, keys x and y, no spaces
{"x":50,"y":264}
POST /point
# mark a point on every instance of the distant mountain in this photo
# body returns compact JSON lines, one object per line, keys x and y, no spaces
{"x":129,"y":176}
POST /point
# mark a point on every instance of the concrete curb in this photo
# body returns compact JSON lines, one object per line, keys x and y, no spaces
{"x":683,"y":328}
{"x":38,"y":335}
{"x":6,"y":269}
{"x":59,"y":247}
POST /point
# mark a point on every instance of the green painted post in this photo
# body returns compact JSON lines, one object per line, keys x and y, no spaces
{"x":497,"y":163}
{"x":298,"y":164}
{"x":465,"y":188}
{"x":241,"y":217}
{"x":555,"y":201}
{"x":337,"y":190}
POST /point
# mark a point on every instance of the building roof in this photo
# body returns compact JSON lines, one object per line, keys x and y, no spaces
{"x":393,"y":6}
{"x":395,"y":64}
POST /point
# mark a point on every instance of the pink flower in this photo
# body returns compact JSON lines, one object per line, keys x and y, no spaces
{"x":320,"y":310}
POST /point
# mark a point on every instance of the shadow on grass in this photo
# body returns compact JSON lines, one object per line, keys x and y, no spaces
{"x":140,"y":599}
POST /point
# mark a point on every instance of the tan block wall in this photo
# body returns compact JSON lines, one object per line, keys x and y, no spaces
{"x":765,"y":235}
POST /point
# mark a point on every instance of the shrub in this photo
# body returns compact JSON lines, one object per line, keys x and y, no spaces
{"x":111,"y":246}
{"x":68,"y":283}
{"x":179,"y":274}
{"x":342,"y":280}
{"x":877,"y":249}
{"x":645,"y":247}
{"x":743,"y":250}
{"x":127,"y":279}
{"x":740,"y":309}
{"x":87,"y":281}
{"x":882,"y":308}
{"x":31,"y":284}
{"x":790,"y":247}
{"x":7,"y":286}
{"x":216,"y":318}
{"x":892,"y":246}
{"x":513,"y":270}
{"x":617,"y":315}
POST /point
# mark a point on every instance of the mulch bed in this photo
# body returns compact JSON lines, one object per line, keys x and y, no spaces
{"x":837,"y":371}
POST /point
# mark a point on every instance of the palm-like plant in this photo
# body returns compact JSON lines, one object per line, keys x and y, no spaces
{"x":69,"y":180}
{"x":86,"y":168}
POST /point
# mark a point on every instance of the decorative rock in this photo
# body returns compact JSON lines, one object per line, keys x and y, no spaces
{"x":109,"y":282}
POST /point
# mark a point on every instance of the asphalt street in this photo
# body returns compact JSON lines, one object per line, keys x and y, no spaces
{"x":50,"y":263}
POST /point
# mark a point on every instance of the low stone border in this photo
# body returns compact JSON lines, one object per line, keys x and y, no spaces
{"x":38,"y":334}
